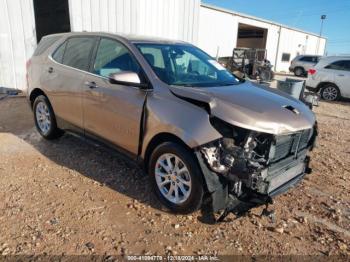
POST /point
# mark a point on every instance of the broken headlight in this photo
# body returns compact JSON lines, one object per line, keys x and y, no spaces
{"x":238,"y":152}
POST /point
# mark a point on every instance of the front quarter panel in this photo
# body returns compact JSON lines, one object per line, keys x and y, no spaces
{"x":168,"y":114}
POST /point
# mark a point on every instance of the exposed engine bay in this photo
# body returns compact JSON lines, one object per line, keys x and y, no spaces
{"x":251,"y":166}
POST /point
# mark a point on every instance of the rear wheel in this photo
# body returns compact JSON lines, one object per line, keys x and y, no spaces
{"x":176,"y":178}
{"x":44,"y":118}
{"x":330,"y":92}
{"x":299,"y":71}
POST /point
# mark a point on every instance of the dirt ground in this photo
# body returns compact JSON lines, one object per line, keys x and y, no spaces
{"x":72,"y":197}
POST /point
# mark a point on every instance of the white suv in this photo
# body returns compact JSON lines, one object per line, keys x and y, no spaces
{"x":330,"y":77}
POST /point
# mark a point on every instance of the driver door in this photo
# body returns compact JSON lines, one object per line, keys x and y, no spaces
{"x":113,"y":111}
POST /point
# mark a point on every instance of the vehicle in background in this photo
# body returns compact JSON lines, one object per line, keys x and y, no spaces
{"x":330,"y":77}
{"x":301,"y":64}
{"x":197,"y":130}
{"x":249,"y":62}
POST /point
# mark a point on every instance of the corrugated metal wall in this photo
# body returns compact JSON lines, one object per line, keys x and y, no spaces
{"x":17,"y":41}
{"x":176,"y":19}
{"x":297,"y":43}
{"x":218,"y":34}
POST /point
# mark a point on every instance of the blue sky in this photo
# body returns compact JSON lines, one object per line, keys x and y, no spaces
{"x":302,"y":14}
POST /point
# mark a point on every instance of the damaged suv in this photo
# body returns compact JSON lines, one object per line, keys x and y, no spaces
{"x":199,"y":131}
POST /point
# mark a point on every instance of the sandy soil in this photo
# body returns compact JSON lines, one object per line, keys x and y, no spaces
{"x":72,"y":197}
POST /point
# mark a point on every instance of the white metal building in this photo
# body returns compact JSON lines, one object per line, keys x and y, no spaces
{"x":221,"y":30}
{"x":217,"y":31}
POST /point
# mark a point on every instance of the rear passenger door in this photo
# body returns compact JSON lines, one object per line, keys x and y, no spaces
{"x":65,"y":78}
{"x":341,"y":72}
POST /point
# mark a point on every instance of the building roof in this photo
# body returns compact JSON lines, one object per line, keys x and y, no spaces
{"x":213,"y":7}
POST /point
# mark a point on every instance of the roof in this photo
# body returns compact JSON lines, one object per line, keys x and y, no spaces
{"x":336,"y":57}
{"x":130,"y":37}
{"x":213,"y":7}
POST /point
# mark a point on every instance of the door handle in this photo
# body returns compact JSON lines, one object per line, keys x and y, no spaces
{"x":91,"y":85}
{"x":50,"y":70}
{"x":341,"y":75}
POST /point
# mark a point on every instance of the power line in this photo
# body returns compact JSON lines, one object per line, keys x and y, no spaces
{"x":306,"y":14}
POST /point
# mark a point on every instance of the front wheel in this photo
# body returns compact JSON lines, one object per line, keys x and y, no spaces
{"x":176,"y":178}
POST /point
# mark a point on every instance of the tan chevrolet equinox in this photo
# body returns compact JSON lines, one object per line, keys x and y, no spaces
{"x":199,"y":131}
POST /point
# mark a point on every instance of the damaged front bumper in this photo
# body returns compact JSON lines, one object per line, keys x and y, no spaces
{"x":261,"y":190}
{"x":236,"y":183}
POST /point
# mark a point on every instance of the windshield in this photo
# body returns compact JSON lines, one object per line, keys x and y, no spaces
{"x":185,"y":65}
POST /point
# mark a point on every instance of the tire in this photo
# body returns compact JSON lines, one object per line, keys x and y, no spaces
{"x":265,"y":75}
{"x":44,"y":118}
{"x":330,"y":92}
{"x":299,"y":71}
{"x":188,"y":183}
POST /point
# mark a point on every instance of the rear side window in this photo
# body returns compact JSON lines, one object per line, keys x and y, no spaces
{"x":44,"y":44}
{"x":58,"y":55}
{"x":313,"y":59}
{"x":78,"y":51}
{"x":340,"y":65}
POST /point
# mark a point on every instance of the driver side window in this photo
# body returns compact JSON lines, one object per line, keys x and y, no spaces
{"x":113,"y":57}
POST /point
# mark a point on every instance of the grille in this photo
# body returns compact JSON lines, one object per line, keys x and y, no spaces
{"x":287,"y":145}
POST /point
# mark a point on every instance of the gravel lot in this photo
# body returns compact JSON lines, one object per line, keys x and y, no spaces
{"x":72,"y":197}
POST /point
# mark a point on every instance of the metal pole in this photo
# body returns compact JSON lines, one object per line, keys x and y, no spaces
{"x":323,"y":17}
{"x":278,"y":48}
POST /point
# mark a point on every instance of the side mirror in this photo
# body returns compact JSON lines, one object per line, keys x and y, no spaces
{"x":126,"y":77}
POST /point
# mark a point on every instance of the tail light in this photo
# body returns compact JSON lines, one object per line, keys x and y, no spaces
{"x":312,"y":71}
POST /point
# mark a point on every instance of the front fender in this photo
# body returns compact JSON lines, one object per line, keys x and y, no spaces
{"x":166,"y":113}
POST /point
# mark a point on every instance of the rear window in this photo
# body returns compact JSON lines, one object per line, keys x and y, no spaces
{"x":78,"y":51}
{"x":44,"y":44}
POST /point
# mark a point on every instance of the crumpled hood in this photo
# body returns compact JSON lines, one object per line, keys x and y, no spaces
{"x":253,"y":107}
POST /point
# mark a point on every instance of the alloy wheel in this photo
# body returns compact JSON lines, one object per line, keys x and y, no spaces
{"x":173,"y":178}
{"x":330,"y":93}
{"x":43,"y":117}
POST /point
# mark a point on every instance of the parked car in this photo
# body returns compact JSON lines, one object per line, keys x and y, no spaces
{"x":301,"y":64}
{"x":331,"y":77}
{"x":195,"y":128}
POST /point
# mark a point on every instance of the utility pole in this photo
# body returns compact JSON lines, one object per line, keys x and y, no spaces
{"x":323,"y":17}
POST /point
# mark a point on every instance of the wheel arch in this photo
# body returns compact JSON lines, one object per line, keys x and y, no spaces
{"x":159,"y":139}
{"x":34,"y":94}
{"x":322,"y":84}
{"x":297,"y":67}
